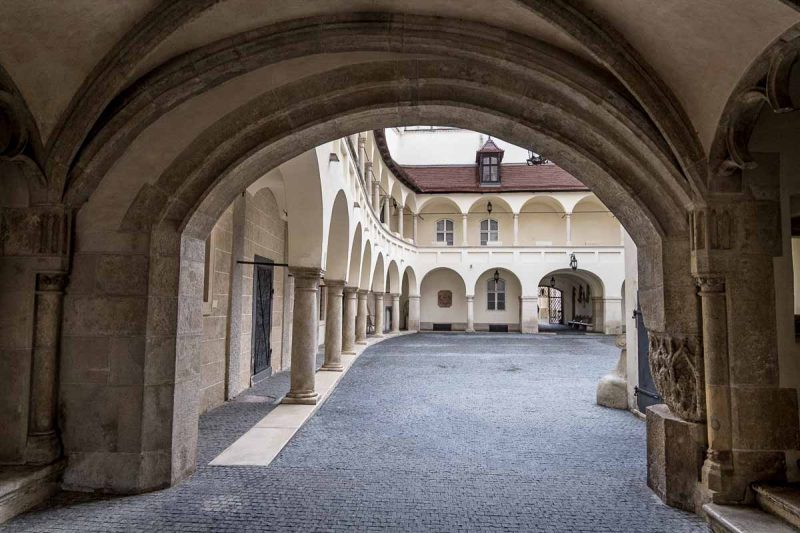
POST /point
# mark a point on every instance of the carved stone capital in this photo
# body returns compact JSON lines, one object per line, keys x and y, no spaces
{"x":711,"y":284}
{"x":51,"y":281}
{"x":676,"y":364}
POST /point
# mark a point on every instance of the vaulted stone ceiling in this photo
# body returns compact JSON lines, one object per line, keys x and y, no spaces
{"x":699,"y":49}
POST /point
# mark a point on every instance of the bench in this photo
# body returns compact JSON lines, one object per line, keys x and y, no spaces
{"x":577,"y":324}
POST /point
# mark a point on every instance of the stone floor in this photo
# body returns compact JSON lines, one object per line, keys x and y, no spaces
{"x":427,"y":432}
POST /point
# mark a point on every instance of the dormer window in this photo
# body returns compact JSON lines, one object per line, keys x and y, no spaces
{"x":488,"y":159}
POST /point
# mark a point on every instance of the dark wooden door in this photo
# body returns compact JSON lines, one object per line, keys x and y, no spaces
{"x":646,"y":393}
{"x":262,"y":316}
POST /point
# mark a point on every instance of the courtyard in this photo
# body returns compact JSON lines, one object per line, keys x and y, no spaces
{"x":434,"y":432}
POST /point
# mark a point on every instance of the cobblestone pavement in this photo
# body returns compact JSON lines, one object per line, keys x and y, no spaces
{"x":433,"y":432}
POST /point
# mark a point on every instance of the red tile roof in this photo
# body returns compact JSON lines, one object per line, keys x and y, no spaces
{"x":514,"y":177}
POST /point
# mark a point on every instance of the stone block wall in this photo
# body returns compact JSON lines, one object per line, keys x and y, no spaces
{"x":264,"y":235}
{"x":215,"y":313}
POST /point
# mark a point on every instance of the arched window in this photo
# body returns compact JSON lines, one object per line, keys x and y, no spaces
{"x":496,"y":295}
{"x":444,"y":231}
{"x":489,"y":231}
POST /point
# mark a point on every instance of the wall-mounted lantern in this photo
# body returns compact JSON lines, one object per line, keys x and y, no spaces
{"x":489,"y":207}
{"x":552,"y":282}
{"x":573,"y":262}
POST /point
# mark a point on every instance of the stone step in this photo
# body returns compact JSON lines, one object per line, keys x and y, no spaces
{"x":780,"y":500}
{"x":23,"y":487}
{"x":740,"y":519}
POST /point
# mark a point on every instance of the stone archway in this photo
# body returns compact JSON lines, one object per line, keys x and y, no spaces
{"x":162,"y":219}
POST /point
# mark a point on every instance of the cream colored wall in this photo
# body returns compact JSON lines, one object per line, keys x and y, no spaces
{"x":483,"y":316}
{"x":215,"y":315}
{"x":541,"y":223}
{"x":505,"y":225}
{"x":592,"y":228}
{"x":430,"y":312}
{"x":426,"y":224}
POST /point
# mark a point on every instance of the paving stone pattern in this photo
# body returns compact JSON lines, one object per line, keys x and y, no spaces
{"x":428,"y":432}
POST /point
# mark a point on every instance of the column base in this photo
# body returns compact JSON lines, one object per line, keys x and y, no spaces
{"x":42,"y":448}
{"x":362,"y":343}
{"x":469,"y":330}
{"x":302,"y":398}
{"x":675,"y":452}
{"x":333,"y":367}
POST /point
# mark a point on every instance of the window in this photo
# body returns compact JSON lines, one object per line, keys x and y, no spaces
{"x":489,"y":231}
{"x":490,"y":169}
{"x":444,"y":232}
{"x":496,"y":295}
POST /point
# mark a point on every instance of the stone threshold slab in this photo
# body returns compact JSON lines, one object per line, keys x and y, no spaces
{"x":264,"y":441}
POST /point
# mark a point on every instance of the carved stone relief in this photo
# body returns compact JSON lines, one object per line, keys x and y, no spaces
{"x":445,"y":299}
{"x":676,"y":364}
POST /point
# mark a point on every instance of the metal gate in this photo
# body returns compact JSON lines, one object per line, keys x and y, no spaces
{"x":646,"y":393}
{"x":554,"y":304}
{"x":262,"y":317}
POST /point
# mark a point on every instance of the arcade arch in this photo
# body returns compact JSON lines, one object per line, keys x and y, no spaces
{"x":447,"y":308}
{"x":492,"y":309}
{"x":542,"y":221}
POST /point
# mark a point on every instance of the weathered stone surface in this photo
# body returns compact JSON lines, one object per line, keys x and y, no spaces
{"x":676,"y":364}
{"x":675,"y":452}
{"x":612,"y":391}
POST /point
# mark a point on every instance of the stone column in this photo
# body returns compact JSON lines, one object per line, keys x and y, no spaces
{"x":569,"y":229}
{"x":597,"y":314}
{"x":333,"y":326}
{"x":470,"y":313}
{"x":413,"y":313}
{"x":376,"y":197}
{"x":349,"y":320}
{"x":362,"y":154}
{"x":718,"y":464}
{"x":304,"y":336}
{"x":414,"y":230}
{"x":395,"y":313}
{"x":378,"y":314}
{"x":612,"y":316}
{"x":43,"y":445}
{"x":516,"y":229}
{"x":387,"y":212}
{"x":400,"y":220}
{"x":361,"y":317}
{"x":529,"y":314}
{"x":465,"y":236}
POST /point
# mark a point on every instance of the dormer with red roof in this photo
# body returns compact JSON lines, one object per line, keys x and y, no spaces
{"x":488,"y":159}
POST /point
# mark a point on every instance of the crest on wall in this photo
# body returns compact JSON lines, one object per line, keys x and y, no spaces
{"x":445,"y":298}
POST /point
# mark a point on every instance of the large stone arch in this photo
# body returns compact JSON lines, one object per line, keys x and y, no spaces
{"x":546,"y":100}
{"x":753,"y":164}
{"x":599,"y":40}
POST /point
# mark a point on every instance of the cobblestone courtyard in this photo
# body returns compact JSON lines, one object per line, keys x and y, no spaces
{"x":436,"y":432}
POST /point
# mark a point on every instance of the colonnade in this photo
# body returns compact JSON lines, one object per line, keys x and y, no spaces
{"x":345,"y":327}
